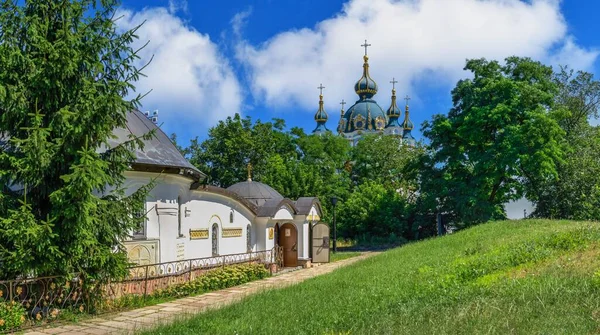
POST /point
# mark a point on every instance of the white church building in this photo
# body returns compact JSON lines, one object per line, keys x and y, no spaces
{"x":185,"y":219}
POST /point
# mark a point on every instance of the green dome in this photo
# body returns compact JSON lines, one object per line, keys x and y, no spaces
{"x":364,"y":115}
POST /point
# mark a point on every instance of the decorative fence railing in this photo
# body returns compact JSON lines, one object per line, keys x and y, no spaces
{"x":145,"y":279}
{"x":44,"y":298}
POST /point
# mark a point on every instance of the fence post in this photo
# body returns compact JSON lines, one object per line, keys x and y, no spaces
{"x":146,"y":283}
{"x":223,"y":261}
{"x":190,"y":269}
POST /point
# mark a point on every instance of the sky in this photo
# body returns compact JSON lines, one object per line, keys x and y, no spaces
{"x":266,"y":58}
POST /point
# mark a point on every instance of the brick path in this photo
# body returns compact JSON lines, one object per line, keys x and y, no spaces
{"x":143,"y":318}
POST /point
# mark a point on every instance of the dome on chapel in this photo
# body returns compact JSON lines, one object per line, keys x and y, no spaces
{"x":255,"y":192}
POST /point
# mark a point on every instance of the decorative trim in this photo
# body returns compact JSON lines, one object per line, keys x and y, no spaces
{"x":199,"y":234}
{"x":231,"y":232}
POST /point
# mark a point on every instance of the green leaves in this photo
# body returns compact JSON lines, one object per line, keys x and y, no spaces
{"x":66,"y":71}
{"x":499,"y":134}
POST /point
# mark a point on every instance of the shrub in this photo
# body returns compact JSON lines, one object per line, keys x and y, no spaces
{"x":12,"y":315}
{"x":215,"y":280}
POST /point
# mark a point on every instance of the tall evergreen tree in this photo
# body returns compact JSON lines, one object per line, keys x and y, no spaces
{"x":65,"y":72}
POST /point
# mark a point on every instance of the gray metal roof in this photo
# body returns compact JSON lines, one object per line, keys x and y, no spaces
{"x":255,"y":192}
{"x":158,"y":151}
{"x":304,"y":204}
{"x":270,"y":207}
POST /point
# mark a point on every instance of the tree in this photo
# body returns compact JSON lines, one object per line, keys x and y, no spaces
{"x":579,"y":99}
{"x":373,"y":213}
{"x":574,"y":193}
{"x":65,"y":72}
{"x":234,"y":143}
{"x":499,"y":135}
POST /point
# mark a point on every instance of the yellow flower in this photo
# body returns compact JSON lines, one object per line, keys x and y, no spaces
{"x":1,"y":322}
{"x":22,"y":318}
{"x":81,"y":308}
{"x":54,"y":313}
{"x":19,"y":290}
{"x":67,"y":285}
{"x":1,"y":293}
{"x":38,"y":316}
{"x":52,"y":286}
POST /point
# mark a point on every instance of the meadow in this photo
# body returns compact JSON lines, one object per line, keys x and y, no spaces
{"x":518,"y":277}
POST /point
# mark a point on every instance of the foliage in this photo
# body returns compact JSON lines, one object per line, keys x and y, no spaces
{"x":215,"y":280}
{"x":12,"y":315}
{"x":499,"y":134}
{"x":406,"y":290}
{"x":65,"y":72}
{"x":234,"y":143}
{"x":373,"y":210}
{"x":575,"y":192}
{"x":579,"y":98}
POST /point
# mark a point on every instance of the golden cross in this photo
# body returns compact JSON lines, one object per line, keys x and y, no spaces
{"x":407,"y":98}
{"x":321,"y":87}
{"x":366,"y":46}
{"x":394,"y":81}
{"x":343,"y":103}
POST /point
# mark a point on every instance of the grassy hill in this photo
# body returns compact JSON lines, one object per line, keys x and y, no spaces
{"x":523,"y":277}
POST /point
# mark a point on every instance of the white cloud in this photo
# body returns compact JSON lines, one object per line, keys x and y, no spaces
{"x":191,"y":82}
{"x":410,"y":38}
{"x":178,"y":5}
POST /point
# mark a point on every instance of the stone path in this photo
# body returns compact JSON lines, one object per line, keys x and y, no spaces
{"x":143,"y":318}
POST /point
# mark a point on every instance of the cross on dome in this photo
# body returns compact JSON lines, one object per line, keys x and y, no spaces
{"x":343,"y":103}
{"x":407,"y":98}
{"x":321,"y":87}
{"x":366,"y":45}
{"x":393,"y":82}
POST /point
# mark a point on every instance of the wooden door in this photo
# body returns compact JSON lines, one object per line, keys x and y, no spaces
{"x":288,"y":240}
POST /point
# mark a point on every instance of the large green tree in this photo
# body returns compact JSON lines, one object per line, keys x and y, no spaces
{"x":499,"y":135}
{"x":574,"y":193}
{"x":236,"y":142}
{"x":65,"y":70}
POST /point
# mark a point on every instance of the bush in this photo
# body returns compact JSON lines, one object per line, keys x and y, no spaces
{"x":12,"y":315}
{"x":215,"y":280}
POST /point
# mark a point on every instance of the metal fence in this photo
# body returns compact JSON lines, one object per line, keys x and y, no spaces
{"x":145,"y":279}
{"x":44,"y":298}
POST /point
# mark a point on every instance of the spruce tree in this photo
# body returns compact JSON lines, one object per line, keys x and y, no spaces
{"x":65,"y":73}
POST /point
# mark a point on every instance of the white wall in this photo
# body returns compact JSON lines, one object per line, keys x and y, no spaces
{"x":200,"y":210}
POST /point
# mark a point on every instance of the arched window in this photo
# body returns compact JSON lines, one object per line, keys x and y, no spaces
{"x":215,"y":239}
{"x":231,"y":216}
{"x":248,"y":238}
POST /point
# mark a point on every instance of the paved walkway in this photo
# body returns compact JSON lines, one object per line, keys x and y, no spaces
{"x":151,"y":316}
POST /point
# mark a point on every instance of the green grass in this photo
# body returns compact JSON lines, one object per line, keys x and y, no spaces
{"x":525,"y":277}
{"x":338,"y":256}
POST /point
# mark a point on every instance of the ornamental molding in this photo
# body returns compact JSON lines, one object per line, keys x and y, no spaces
{"x":199,"y":234}
{"x":231,"y":232}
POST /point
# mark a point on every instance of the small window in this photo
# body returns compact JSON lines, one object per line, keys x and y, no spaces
{"x":249,"y":238}
{"x":140,"y":217}
{"x":231,"y":216}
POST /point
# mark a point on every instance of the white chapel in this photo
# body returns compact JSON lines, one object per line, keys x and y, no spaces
{"x":185,"y":219}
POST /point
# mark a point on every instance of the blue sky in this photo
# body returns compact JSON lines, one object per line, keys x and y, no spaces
{"x":265,"y":58}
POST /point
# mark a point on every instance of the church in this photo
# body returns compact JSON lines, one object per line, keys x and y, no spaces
{"x":184,"y":219}
{"x":365,"y":116}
